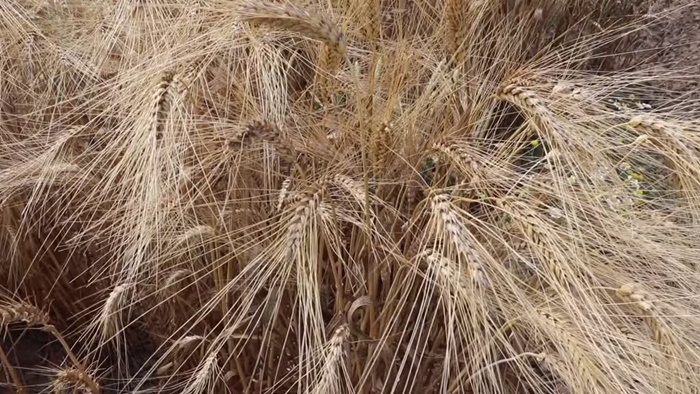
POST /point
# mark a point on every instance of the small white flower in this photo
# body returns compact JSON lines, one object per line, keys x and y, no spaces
{"x":625,"y":166}
{"x":572,"y":180}
{"x":600,"y":174}
{"x":562,"y":88}
{"x":627,"y":201}
{"x":613,"y":202}
{"x":555,"y":213}
{"x":635,"y":184}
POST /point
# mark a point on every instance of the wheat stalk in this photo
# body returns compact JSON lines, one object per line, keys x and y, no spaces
{"x":290,"y":17}
{"x":10,"y":369}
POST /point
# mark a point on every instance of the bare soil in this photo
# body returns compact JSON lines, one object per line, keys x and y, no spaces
{"x":673,"y":43}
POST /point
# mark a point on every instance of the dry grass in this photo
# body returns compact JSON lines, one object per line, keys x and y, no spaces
{"x":344,"y":197}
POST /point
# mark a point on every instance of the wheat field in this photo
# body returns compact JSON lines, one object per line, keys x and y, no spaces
{"x":344,"y":197}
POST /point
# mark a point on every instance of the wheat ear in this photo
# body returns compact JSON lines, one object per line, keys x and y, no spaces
{"x":586,"y":369}
{"x":297,"y":224}
{"x":451,"y":278}
{"x":173,"y":282}
{"x":456,"y":11}
{"x":284,"y":193}
{"x":295,"y":19}
{"x":634,"y":294}
{"x":111,"y":310}
{"x":157,"y":105}
{"x":353,"y":187}
{"x":22,"y":313}
{"x":381,"y":138}
{"x":200,"y":233}
{"x":333,"y":362}
{"x":518,"y":95}
{"x":522,"y":97}
{"x":686,"y":168}
{"x":66,"y":379}
{"x":201,"y":380}
{"x":533,"y":228}
{"x":446,"y":214}
{"x":464,"y":161}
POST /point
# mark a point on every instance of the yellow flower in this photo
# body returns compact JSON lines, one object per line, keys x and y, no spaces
{"x":636,"y":175}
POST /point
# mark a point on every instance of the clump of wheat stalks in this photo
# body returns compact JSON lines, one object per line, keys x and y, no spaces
{"x":434,"y":197}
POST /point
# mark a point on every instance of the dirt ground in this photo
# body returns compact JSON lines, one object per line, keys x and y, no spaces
{"x":674,"y":43}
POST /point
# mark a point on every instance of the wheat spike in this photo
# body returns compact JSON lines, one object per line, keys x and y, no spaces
{"x":353,"y":187}
{"x":586,"y":369}
{"x":109,"y":317}
{"x":284,"y":193}
{"x":288,"y":16}
{"x":465,"y":161}
{"x":201,"y":382}
{"x":159,"y":98}
{"x":464,"y":242}
{"x":185,"y":342}
{"x":22,"y":313}
{"x":451,"y":278}
{"x":172,"y":283}
{"x":456,"y":14}
{"x":527,"y":221}
{"x":685,"y":175}
{"x":329,"y":381}
{"x":200,"y":233}
{"x":381,"y":139}
{"x":521,"y":96}
{"x":634,"y":294}
{"x":73,"y":380}
{"x":303,"y":210}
